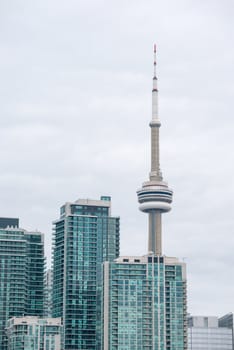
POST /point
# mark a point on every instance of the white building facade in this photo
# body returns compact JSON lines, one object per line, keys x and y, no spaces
{"x":34,"y":333}
{"x":204,"y":333}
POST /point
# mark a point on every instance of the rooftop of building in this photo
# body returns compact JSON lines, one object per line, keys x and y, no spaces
{"x":209,"y":321}
{"x":29,"y":320}
{"x":144,"y":259}
{"x":6,"y":222}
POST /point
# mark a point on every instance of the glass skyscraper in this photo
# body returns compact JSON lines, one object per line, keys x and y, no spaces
{"x":85,"y":236}
{"x":144,"y":304}
{"x":144,"y":298}
{"x":22,"y":266}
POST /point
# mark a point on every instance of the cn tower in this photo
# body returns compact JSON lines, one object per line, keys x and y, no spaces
{"x":155,"y":196}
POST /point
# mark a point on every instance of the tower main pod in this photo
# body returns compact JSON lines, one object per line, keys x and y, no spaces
{"x":155,"y":196}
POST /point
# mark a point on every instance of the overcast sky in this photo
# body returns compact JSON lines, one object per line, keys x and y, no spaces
{"x":75,"y":104}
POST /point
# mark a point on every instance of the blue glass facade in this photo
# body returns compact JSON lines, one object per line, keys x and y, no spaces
{"x":84,"y":237}
{"x":35,"y":276}
{"x":21,"y":276}
{"x":144,"y":304}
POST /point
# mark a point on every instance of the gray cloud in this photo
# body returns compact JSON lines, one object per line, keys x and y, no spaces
{"x":75,"y":105}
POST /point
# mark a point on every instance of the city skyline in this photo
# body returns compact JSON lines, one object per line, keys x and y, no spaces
{"x":86,"y":98}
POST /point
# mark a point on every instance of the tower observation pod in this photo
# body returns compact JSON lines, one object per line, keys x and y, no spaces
{"x":155,"y":197}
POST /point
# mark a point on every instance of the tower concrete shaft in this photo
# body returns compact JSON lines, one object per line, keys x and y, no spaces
{"x":155,"y":232}
{"x":155,"y":197}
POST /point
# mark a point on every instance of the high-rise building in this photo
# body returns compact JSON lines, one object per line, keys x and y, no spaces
{"x":144,"y":303}
{"x":145,"y":297}
{"x":35,"y":275}
{"x":34,"y":333}
{"x":22,"y":266}
{"x":85,"y":235}
{"x":9,"y":222}
{"x":227,"y":321}
{"x":204,"y":332}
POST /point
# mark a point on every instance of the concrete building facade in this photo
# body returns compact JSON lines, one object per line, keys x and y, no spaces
{"x":204,"y":333}
{"x":34,"y":333}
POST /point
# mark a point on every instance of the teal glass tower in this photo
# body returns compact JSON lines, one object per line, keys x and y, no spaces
{"x":85,"y":236}
{"x":144,"y":304}
{"x":144,"y":301}
{"x":22,"y":268}
{"x":35,"y":276}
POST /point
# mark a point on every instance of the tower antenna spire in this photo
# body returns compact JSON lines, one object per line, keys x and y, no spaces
{"x":155,"y":197}
{"x":155,"y":124}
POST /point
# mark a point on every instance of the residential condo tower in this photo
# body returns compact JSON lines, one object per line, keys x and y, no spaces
{"x":85,"y":236}
{"x":22,"y":273}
